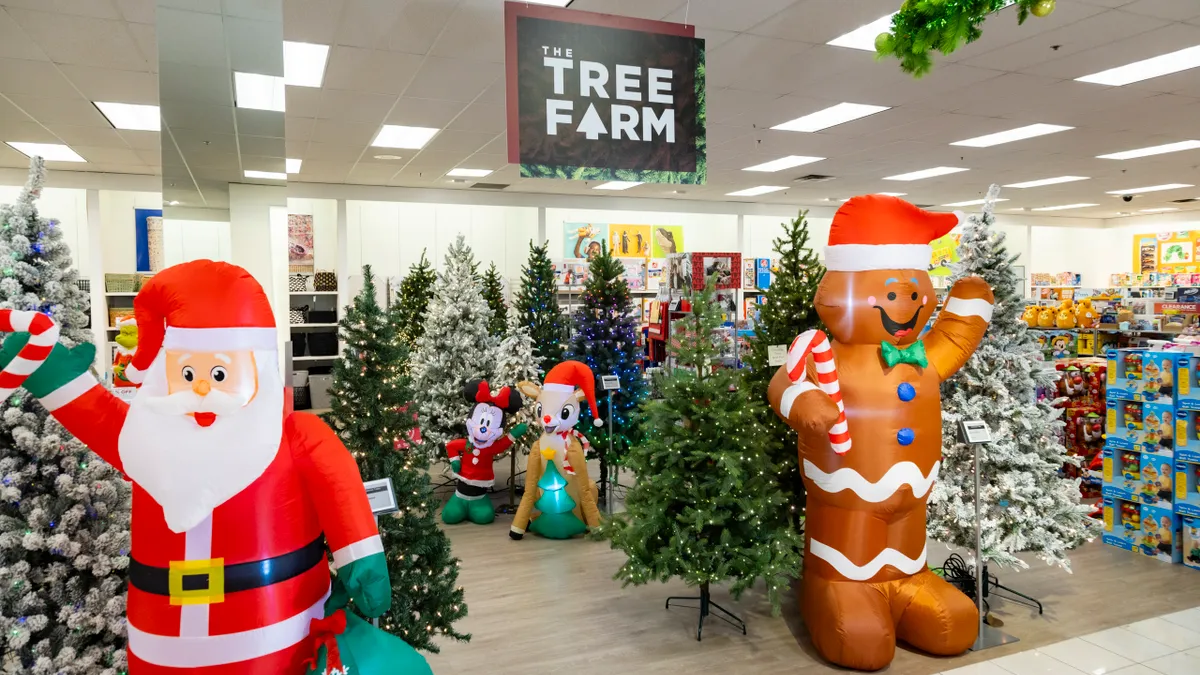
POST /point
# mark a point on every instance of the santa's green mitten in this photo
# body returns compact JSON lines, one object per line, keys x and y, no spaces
{"x":375,"y":652}
{"x":519,"y":430}
{"x":366,"y":582}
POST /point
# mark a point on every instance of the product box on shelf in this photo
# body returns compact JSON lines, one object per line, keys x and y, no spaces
{"x":1063,"y":345}
{"x":1121,"y":473}
{"x":1125,"y":374}
{"x":1144,"y":375}
{"x":1156,"y":484}
{"x":1161,"y":535}
{"x":1125,"y":423}
{"x":1158,"y":429}
{"x":1188,"y":379}
{"x":1122,"y":523}
{"x":1187,"y":483}
{"x":1190,"y":526}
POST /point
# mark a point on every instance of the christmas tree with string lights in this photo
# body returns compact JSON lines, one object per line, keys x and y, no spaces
{"x":376,"y":419}
{"x":493,"y":292}
{"x":454,"y":349}
{"x":64,"y":513}
{"x":606,"y":339}
{"x":706,"y":507}
{"x":516,"y":361}
{"x":787,"y":312}
{"x":537,"y":305}
{"x":412,"y":300}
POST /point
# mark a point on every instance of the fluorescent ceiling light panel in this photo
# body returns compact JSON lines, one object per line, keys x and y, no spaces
{"x":1064,"y":207}
{"x":755,"y":191}
{"x":617,"y":185}
{"x":258,"y":92}
{"x":972,"y":202}
{"x":1159,"y":210}
{"x":1046,"y":181}
{"x":293,"y":165}
{"x":268,"y":175}
{"x":469,"y":173}
{"x":927,"y":173}
{"x":1018,"y":134}
{"x":1184,"y":59}
{"x":789,"y":162}
{"x":1152,"y":188}
{"x":51,"y":152}
{"x":893,"y":194}
{"x":830,"y":117}
{"x":397,"y":136}
{"x":304,"y":63}
{"x":1153,"y":150}
{"x":863,"y":37}
{"x":130,"y":116}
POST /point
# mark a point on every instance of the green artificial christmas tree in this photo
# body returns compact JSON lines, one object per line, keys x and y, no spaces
{"x":376,"y":419}
{"x":606,"y":339}
{"x":412,"y":300}
{"x":537,"y":304}
{"x":557,"y":519}
{"x":64,"y":514}
{"x":706,"y":507}
{"x":788,"y":312}
{"x":493,"y":292}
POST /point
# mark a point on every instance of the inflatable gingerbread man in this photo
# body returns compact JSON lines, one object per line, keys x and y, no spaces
{"x":867,"y":406}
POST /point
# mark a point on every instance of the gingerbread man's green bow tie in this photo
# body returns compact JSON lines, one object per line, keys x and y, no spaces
{"x":914,"y":354}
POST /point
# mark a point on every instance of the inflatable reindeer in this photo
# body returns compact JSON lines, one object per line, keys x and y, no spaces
{"x":563,"y":503}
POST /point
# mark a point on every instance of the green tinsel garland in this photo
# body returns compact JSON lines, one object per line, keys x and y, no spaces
{"x":923,"y":26}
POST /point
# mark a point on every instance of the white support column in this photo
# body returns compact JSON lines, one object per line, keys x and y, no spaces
{"x":99,"y":302}
{"x":541,"y":226}
{"x":343,"y":262}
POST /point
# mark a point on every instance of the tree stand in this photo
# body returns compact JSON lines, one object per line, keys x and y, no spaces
{"x":511,"y":506}
{"x":993,"y":584}
{"x":706,"y":605}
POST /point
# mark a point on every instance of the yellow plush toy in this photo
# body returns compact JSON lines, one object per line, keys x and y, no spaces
{"x":1031,"y":316}
{"x":1046,"y":317}
{"x":1066,"y":318}
{"x":1085,"y":314}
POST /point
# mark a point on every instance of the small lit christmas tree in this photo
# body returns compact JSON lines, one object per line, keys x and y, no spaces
{"x":537,"y":304}
{"x":374,"y":416}
{"x":64,"y":514}
{"x":493,"y":292}
{"x":557,"y":519}
{"x":412,"y":300}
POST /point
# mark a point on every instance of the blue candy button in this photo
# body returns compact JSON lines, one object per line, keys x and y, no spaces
{"x":905,"y":436}
{"x":906,"y":392}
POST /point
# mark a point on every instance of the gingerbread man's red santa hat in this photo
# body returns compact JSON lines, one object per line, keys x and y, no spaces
{"x":202,"y":305}
{"x":878,"y":232}
{"x":571,"y":375}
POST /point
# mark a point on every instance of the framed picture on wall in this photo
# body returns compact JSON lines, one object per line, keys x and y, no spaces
{"x":300,"y":243}
{"x":725,"y":268}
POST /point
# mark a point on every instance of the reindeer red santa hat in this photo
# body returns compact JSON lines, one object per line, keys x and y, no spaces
{"x":880,"y":232}
{"x":206,"y":308}
{"x":572,"y":375}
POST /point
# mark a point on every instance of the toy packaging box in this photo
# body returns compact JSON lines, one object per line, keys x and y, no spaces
{"x":1161,"y":535}
{"x":1122,"y":523}
{"x":1122,"y":474}
{"x":1161,"y":371}
{"x":1131,"y":425}
{"x":1156,"y":481}
{"x":1158,"y":430}
{"x":1190,"y":526}
{"x":1125,"y":375}
{"x":1187,"y":483}
{"x":1062,"y":345}
{"x":1188,"y":379}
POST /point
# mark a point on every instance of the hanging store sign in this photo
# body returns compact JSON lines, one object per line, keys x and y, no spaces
{"x":602,"y":97}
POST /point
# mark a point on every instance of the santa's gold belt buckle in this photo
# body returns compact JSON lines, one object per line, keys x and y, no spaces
{"x":196,"y":582}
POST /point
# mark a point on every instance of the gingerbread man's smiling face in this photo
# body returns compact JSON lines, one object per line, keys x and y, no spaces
{"x":876,"y":306}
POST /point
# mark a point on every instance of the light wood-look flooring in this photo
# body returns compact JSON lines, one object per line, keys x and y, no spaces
{"x":541,"y":606}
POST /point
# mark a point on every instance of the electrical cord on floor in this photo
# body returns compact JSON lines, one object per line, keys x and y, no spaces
{"x":961,"y":575}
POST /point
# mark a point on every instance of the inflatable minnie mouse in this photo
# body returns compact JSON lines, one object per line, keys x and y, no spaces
{"x":471,"y":458}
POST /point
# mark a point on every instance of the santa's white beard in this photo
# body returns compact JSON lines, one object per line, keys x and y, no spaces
{"x":189,"y":469}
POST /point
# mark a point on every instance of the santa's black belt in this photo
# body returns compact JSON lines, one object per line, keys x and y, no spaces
{"x":192,"y":582}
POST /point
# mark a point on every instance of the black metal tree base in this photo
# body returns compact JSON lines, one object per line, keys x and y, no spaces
{"x":706,"y":604}
{"x":993,"y":584}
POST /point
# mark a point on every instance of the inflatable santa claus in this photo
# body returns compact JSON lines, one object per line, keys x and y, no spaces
{"x":236,"y":499}
{"x":867,"y":406}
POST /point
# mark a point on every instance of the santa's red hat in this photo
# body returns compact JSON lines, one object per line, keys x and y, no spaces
{"x":878,"y":232}
{"x":202,"y":306}
{"x":572,"y":375}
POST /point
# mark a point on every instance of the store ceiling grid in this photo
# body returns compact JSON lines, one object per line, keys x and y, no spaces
{"x":439,"y":63}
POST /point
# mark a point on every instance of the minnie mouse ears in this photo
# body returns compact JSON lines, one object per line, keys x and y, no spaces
{"x":507,"y":399}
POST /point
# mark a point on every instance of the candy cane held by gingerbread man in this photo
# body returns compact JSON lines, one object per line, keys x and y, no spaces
{"x":866,"y":583}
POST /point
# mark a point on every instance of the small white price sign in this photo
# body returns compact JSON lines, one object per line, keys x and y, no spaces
{"x":381,"y":495}
{"x":610,"y":383}
{"x":975,"y":432}
{"x":776,"y":355}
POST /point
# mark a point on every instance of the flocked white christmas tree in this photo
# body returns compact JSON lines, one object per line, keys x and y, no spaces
{"x":516,"y":361}
{"x":454,"y":349}
{"x":1027,"y":505}
{"x":64,"y":514}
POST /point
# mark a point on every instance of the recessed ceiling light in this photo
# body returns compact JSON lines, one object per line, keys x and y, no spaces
{"x":617,"y":185}
{"x":927,"y":173}
{"x":130,"y":116}
{"x":304,"y":63}
{"x":1153,"y":150}
{"x":397,"y":136}
{"x":863,"y":37}
{"x":755,"y":191}
{"x":258,"y":92}
{"x":1018,"y":134}
{"x":791,"y":161}
{"x":293,"y":165}
{"x":1046,"y":181}
{"x":893,"y":194}
{"x":972,"y":202}
{"x":268,"y":175}
{"x":469,"y":173}
{"x":51,"y":152}
{"x":1184,"y":59}
{"x":830,"y":117}
{"x":1152,"y":188}
{"x":388,"y":157}
{"x":1159,"y":210}
{"x":1064,"y":207}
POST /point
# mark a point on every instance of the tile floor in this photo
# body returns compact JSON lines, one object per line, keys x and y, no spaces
{"x":1166,"y":645}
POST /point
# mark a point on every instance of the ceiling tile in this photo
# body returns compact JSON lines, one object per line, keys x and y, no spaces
{"x":313,"y":21}
{"x":819,"y":21}
{"x":121,"y":86}
{"x":756,"y":63}
{"x":465,"y":142}
{"x":331,"y":131}
{"x":370,"y":70}
{"x":299,"y":128}
{"x":641,"y":9}
{"x":137,"y":11}
{"x":81,"y":39}
{"x":14,"y":43}
{"x":28,"y":132}
{"x":72,"y":111}
{"x":1174,"y":10}
{"x":108,"y":155}
{"x":332,"y":152}
{"x":1045,"y":49}
{"x":142,"y":140}
{"x":726,"y":15}
{"x":37,"y":78}
{"x":475,"y":28}
{"x":354,"y":106}
{"x":453,"y":79}
{"x":260,"y":123}
{"x":98,"y":9}
{"x":303,"y":101}
{"x":484,"y":117}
